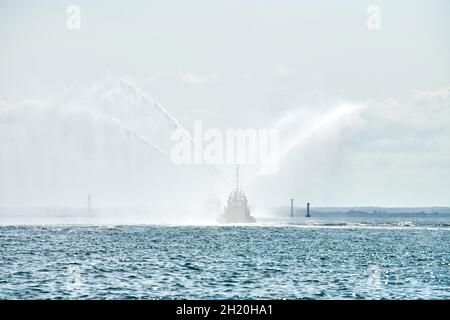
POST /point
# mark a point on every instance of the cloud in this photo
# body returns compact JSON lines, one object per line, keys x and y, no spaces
{"x":194,"y":79}
{"x":282,"y":71}
{"x":391,"y":152}
{"x":424,"y":116}
{"x":171,"y":77}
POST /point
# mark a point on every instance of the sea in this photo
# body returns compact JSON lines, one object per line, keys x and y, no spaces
{"x":322,"y":258}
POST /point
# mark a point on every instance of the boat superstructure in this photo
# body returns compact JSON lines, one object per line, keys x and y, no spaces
{"x":237,"y":210}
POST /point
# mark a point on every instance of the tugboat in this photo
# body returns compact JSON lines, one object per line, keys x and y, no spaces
{"x":237,"y":210}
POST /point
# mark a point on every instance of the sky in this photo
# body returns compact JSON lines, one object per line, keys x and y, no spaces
{"x":229,"y":64}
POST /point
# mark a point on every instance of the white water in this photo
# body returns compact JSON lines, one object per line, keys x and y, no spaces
{"x":112,"y":140}
{"x":104,"y":140}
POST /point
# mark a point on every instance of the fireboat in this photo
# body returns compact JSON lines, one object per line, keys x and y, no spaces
{"x":237,"y":210}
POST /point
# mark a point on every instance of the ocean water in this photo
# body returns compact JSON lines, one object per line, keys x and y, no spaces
{"x":269,"y":260}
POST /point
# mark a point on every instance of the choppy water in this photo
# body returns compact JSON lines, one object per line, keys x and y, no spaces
{"x":264,"y":261}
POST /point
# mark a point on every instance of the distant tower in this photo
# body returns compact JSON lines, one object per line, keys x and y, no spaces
{"x":307,"y":210}
{"x":89,"y":202}
{"x":292,"y":207}
{"x":237,"y":178}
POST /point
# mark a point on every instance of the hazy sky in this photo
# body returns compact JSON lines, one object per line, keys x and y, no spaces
{"x":235,"y":64}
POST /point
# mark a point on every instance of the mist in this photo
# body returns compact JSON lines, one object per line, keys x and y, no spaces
{"x":361,"y":115}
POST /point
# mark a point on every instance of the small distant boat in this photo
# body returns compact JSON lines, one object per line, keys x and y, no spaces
{"x":237,"y":210}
